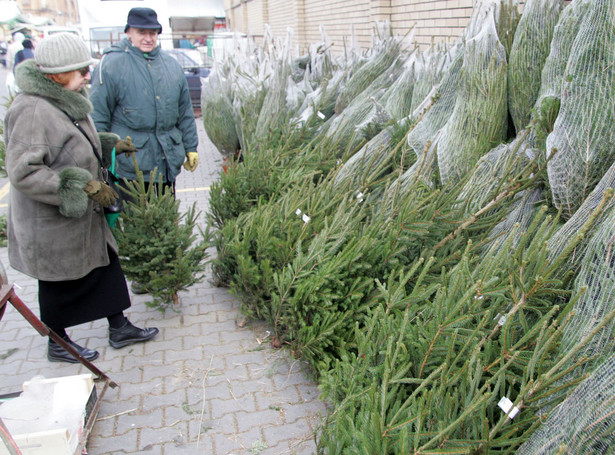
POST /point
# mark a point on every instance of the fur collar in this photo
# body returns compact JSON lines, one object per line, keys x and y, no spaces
{"x":31,"y":81}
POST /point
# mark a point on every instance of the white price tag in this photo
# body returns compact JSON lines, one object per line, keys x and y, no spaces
{"x":321,"y":115}
{"x":506,"y":405}
{"x":501,"y":319}
{"x":298,"y":212}
{"x":306,"y":218}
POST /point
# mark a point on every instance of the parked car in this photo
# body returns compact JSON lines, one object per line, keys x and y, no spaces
{"x":194,"y":68}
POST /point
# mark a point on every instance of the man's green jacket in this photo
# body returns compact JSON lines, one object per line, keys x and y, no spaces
{"x":146,"y":97}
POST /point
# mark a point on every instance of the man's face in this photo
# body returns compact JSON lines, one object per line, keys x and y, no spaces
{"x":144,"y":39}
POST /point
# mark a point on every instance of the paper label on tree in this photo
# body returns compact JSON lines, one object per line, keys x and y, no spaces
{"x":305,"y":218}
{"x":321,"y":115}
{"x":298,"y":212}
{"x":506,"y":405}
{"x":501,"y":319}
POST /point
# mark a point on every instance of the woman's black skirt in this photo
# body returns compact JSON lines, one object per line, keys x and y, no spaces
{"x":102,"y":292}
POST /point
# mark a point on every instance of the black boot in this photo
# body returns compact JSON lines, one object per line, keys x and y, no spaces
{"x":129,"y":334}
{"x":56,"y":353}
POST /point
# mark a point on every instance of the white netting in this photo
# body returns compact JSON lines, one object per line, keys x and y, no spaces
{"x":584,"y":423}
{"x":429,"y":68}
{"x":372,"y":158}
{"x":344,"y":129}
{"x":492,"y":168}
{"x":479,"y":119}
{"x":561,"y":239}
{"x":218,"y":114}
{"x":435,"y":110}
{"x":505,"y":14}
{"x":597,"y":279}
{"x":519,"y":217}
{"x":583,"y":134}
{"x":547,"y":105}
{"x":385,"y":52}
{"x":274,"y":109}
{"x":398,"y":99}
{"x":528,"y":54}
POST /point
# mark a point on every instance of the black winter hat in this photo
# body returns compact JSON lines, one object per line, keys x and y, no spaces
{"x":143,"y":18}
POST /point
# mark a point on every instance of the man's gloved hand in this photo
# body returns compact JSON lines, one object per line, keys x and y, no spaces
{"x":100,"y":192}
{"x":125,"y":146}
{"x":192,"y":161}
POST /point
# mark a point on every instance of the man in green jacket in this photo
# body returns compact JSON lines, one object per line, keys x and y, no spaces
{"x":138,"y":90}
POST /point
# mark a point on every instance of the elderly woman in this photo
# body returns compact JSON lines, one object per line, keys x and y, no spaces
{"x":57,"y":231}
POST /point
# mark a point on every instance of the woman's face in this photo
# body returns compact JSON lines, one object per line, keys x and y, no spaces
{"x":78,"y":79}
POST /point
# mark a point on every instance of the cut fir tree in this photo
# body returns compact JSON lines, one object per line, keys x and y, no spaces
{"x":158,"y":246}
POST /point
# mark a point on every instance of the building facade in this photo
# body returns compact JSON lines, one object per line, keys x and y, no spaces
{"x":61,"y":12}
{"x":429,"y":20}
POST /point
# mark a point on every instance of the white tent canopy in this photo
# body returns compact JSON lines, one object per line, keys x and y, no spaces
{"x":196,"y":8}
{"x":9,"y":11}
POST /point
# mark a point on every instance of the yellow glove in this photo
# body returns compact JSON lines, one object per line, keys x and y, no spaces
{"x":192,"y":161}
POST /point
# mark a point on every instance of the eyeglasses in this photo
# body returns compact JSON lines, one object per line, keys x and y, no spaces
{"x":84,"y":71}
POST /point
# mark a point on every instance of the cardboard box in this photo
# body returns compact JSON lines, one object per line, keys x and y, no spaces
{"x":56,"y":441}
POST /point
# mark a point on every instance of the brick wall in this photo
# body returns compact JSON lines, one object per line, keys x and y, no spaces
{"x":429,"y":20}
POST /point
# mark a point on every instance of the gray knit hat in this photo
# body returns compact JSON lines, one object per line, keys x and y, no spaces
{"x":61,"y":53}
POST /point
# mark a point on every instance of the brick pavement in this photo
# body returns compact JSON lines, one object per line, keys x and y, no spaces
{"x":203,"y":386}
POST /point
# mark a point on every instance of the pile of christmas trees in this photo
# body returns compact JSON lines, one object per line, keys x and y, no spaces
{"x":445,"y":273}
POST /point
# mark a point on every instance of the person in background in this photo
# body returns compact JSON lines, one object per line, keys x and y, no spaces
{"x":13,"y":48}
{"x":4,"y":47}
{"x":138,"y":90}
{"x":57,"y":231}
{"x":25,"y":54}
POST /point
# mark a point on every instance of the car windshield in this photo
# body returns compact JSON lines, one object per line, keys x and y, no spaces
{"x":187,"y":58}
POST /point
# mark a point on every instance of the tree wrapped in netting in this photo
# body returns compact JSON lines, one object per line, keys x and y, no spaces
{"x":275,"y":110}
{"x":479,"y":119}
{"x":430,"y":66}
{"x":377,"y":158}
{"x":597,"y":279}
{"x":506,"y":17}
{"x":546,"y":108}
{"x":218,"y":114}
{"x":561,"y":239}
{"x":431,"y":115}
{"x":584,"y":423}
{"x":437,"y":108}
{"x":528,"y":54}
{"x":583,"y":133}
{"x":345,"y":126}
{"x":386,"y":51}
{"x":394,"y":105}
{"x":398,"y":99}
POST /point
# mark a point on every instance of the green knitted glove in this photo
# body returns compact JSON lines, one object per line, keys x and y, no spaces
{"x":73,"y":200}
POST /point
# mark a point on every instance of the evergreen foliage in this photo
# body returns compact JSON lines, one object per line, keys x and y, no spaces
{"x":158,"y":246}
{"x":424,"y":298}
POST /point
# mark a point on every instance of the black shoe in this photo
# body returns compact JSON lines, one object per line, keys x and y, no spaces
{"x":56,"y":353}
{"x":129,"y":334}
{"x":137,"y":288}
